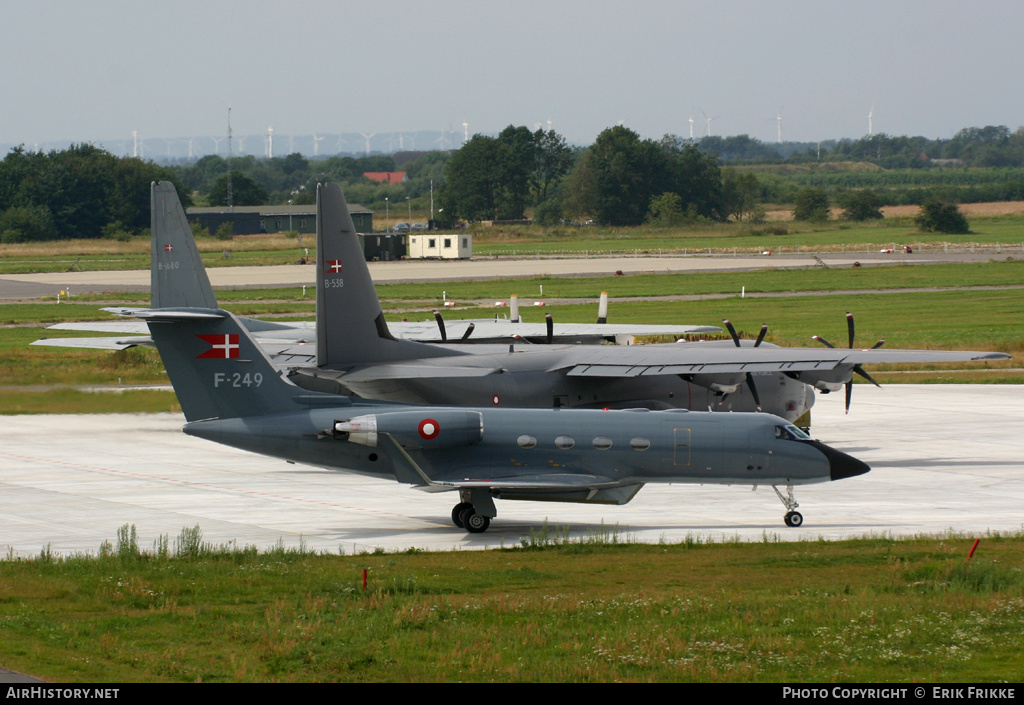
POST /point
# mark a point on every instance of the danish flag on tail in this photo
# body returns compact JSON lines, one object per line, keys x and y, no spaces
{"x":333,"y":266}
{"x":222,"y":346}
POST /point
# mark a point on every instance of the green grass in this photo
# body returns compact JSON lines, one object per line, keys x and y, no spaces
{"x":860,"y":611}
{"x":972,"y":319}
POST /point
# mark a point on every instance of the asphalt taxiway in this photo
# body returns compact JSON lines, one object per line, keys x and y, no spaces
{"x":944,"y":458}
{"x":26,"y":286}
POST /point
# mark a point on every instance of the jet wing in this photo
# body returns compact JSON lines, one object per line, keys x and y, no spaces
{"x":559,"y":481}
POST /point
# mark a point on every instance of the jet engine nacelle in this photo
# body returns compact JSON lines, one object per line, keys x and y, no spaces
{"x":441,"y":428}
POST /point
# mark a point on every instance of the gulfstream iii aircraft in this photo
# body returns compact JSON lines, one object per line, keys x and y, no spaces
{"x":231,"y":393}
{"x":357,"y":353}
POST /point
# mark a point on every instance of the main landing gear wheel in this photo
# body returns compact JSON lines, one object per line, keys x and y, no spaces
{"x":475,"y":523}
{"x":794,"y":519}
{"x":457,"y":513}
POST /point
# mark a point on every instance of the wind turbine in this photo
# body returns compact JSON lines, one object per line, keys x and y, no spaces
{"x":316,"y":145}
{"x":778,"y":124}
{"x":691,"y":127}
{"x":708,"y":120}
{"x":465,"y":132}
{"x":367,"y":138}
{"x":270,"y":142}
{"x":871,"y":126}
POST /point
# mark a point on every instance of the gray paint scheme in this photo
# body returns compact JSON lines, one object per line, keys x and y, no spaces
{"x":231,"y":393}
{"x":356,"y":351}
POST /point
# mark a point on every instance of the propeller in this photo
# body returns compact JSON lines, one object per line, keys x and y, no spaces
{"x":469,"y":331}
{"x":550,"y":323}
{"x":440,"y":326}
{"x":856,"y":368}
{"x":757,"y":343}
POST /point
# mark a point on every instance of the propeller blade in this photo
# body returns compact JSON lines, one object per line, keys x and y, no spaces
{"x":760,"y":336}
{"x":849,"y":394}
{"x":732,"y":331}
{"x":469,"y":331}
{"x":849,"y":327}
{"x":550,"y":323}
{"x":863,"y":373}
{"x":879,"y":344}
{"x":753,"y":391}
{"x":440,"y":326}
{"x":822,"y":341}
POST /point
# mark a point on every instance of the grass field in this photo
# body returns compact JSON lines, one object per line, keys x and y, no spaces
{"x":96,"y":255}
{"x":959,"y":315}
{"x":598,"y":610}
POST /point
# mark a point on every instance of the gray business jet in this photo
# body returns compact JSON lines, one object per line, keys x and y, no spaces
{"x":231,"y":393}
{"x":357,"y":353}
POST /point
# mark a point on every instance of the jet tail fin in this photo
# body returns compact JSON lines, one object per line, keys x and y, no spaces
{"x":217,"y":369}
{"x":350,"y":325}
{"x":177,"y":276}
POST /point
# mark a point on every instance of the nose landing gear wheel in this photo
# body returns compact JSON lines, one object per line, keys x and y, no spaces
{"x":794,"y":519}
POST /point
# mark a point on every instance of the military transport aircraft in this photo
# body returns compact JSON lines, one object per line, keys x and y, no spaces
{"x":178,"y":278}
{"x":231,"y":393}
{"x":357,"y":353}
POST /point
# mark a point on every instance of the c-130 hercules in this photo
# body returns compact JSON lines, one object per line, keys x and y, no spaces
{"x":356,"y":353}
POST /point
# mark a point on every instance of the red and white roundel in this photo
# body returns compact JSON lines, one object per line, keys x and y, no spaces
{"x":429,"y":429}
{"x":495,"y":400}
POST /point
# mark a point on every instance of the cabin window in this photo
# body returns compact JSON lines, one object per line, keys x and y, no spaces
{"x":639,"y":444}
{"x":447,"y":243}
{"x":602,"y":442}
{"x":565,"y":442}
{"x":526,"y":441}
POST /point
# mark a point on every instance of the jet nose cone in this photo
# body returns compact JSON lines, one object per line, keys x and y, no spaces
{"x":841,"y":465}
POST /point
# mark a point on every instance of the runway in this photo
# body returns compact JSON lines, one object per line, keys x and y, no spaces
{"x":945,"y":458}
{"x":26,"y":286}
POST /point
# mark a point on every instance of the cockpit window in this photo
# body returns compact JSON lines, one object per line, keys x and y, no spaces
{"x":791,"y":433}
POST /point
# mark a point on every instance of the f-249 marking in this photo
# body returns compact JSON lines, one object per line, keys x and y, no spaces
{"x":237,"y":379}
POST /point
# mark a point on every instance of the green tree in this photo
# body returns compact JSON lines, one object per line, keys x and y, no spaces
{"x":27,"y":224}
{"x":244,"y":191}
{"x":552,"y":162}
{"x":628,"y":172}
{"x":740,"y":194}
{"x":942,"y":217}
{"x":516,"y":161}
{"x":666,"y":210}
{"x":861,"y":205}
{"x":811,"y":204}
{"x":472,"y":179}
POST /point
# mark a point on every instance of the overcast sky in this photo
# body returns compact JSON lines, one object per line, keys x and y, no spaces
{"x":97,"y":70}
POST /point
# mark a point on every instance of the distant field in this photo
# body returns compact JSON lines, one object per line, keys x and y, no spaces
{"x":991,"y":223}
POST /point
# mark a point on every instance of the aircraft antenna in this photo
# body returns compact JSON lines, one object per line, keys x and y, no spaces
{"x":230,"y":194}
